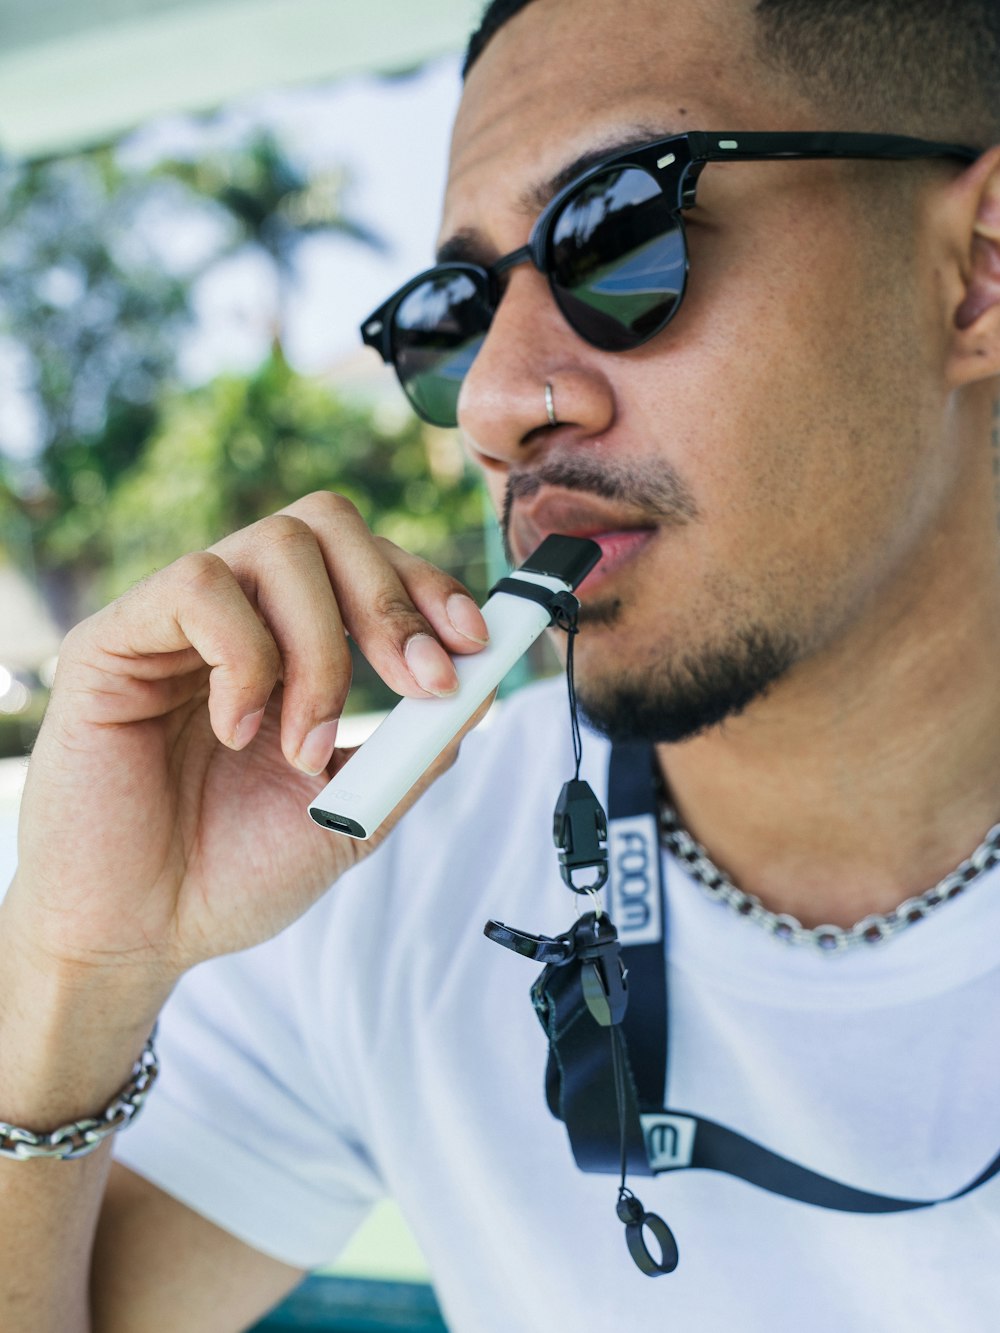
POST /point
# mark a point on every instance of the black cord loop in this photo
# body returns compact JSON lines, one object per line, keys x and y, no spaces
{"x":637,"y":1220}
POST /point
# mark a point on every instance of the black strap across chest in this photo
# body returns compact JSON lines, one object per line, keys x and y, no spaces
{"x":580,"y":1086}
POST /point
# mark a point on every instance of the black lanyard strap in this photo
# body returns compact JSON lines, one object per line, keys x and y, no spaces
{"x":580,"y":1086}
{"x":638,"y":908}
{"x":677,"y":1141}
{"x":579,"y":1077}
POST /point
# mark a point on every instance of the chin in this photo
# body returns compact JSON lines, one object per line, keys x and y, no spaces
{"x":673,"y":701}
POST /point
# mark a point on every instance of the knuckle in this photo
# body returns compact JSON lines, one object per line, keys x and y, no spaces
{"x":74,"y":639}
{"x":285,"y":530}
{"x":201,"y":571}
{"x":450,"y":585}
{"x":390,"y":607}
{"x":325,"y":506}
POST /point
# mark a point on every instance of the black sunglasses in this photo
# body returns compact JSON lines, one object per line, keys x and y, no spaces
{"x":612,"y":246}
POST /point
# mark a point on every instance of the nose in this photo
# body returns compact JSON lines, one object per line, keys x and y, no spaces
{"x":503,"y":407}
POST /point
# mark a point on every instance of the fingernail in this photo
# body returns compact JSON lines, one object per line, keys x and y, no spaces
{"x":430,"y":666}
{"x":247,"y":729}
{"x":315,"y":751}
{"x":465,"y":615}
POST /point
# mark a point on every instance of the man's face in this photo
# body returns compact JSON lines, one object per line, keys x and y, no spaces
{"x":762,"y":473}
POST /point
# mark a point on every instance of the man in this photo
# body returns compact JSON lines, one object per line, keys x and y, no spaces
{"x":793,"y":482}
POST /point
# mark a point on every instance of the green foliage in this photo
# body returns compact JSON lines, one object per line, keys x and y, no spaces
{"x":226,"y":454}
{"x":95,"y":315}
{"x":132,"y":469}
{"x":18,"y":731}
{"x":237,"y":449}
{"x":88,"y":300}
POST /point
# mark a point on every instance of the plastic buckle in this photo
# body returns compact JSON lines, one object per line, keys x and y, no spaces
{"x":540,"y":948}
{"x":580,"y":831}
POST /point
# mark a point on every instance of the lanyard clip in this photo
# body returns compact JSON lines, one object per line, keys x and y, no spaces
{"x":580,"y":831}
{"x":602,"y":973}
{"x":541,"y":948}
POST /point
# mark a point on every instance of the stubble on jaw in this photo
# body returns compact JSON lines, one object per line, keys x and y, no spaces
{"x":670,"y":701}
{"x":675,"y":702}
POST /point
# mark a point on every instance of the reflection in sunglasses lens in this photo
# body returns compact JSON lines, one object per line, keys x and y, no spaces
{"x":617,"y":264}
{"x":438,"y":328}
{"x":617,"y":259}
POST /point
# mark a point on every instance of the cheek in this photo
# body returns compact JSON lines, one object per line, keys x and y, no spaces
{"x":796,"y":407}
{"x":778,"y":393}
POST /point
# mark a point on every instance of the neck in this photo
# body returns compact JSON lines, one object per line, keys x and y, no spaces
{"x":873,"y":769}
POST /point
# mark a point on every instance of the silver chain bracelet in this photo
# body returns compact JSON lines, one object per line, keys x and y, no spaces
{"x":827,"y":939}
{"x":80,"y":1137}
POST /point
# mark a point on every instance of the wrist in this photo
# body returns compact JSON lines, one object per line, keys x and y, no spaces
{"x":85,"y":1135}
{"x":69,"y":1035}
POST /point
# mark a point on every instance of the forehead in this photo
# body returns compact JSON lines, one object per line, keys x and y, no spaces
{"x":565,"y":76}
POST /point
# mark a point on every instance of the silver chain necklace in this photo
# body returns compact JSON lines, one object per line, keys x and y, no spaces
{"x":827,"y":939}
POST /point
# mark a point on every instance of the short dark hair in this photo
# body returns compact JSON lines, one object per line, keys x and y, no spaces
{"x":925,"y":67}
{"x":494,"y":17}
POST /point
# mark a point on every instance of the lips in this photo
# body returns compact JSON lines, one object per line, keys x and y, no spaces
{"x":618,"y":547}
{"x":620,"y":532}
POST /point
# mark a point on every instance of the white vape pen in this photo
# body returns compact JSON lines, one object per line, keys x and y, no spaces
{"x":379,"y":774}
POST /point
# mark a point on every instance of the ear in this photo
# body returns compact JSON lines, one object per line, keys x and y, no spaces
{"x":975,"y":342}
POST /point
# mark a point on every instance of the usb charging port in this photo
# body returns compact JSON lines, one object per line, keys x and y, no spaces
{"x":338,"y":823}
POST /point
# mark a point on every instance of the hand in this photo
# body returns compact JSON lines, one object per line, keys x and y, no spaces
{"x":191,"y":721}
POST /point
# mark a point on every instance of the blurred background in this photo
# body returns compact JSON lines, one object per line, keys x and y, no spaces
{"x":199,"y":203}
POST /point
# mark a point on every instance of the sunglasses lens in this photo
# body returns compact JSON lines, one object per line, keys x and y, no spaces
{"x":437,"y":329}
{"x":617,"y":259}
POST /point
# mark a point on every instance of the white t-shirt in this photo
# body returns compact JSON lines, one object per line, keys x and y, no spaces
{"x":383,"y":1045}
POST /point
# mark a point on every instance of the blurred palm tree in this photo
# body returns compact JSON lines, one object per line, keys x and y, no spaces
{"x":92,"y":316}
{"x":274,"y":205}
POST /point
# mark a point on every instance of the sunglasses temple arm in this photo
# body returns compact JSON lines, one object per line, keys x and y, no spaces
{"x":757,"y":147}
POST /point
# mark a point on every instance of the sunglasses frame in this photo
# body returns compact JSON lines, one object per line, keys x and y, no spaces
{"x":675,"y":162}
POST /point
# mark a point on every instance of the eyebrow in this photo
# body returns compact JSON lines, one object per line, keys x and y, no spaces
{"x":535,"y":197}
{"x":468,"y":245}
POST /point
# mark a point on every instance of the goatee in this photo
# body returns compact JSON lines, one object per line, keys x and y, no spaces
{"x":681,"y":700}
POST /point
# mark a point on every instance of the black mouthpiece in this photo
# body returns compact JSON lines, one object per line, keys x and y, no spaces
{"x":568,"y":558}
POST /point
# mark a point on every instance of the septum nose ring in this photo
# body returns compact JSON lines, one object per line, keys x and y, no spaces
{"x":550,"y":407}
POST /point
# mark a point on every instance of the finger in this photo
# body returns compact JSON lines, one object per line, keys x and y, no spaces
{"x":441,"y":599}
{"x":376,"y":608}
{"x":195,"y":603}
{"x":280,"y":566}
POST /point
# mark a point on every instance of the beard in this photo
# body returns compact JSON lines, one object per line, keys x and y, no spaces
{"x":665,"y":702}
{"x":675,"y":702}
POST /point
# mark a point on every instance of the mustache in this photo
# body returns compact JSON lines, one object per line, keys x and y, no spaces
{"x":656,"y":490}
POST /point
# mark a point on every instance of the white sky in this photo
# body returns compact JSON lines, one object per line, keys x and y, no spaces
{"x":392,"y":137}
